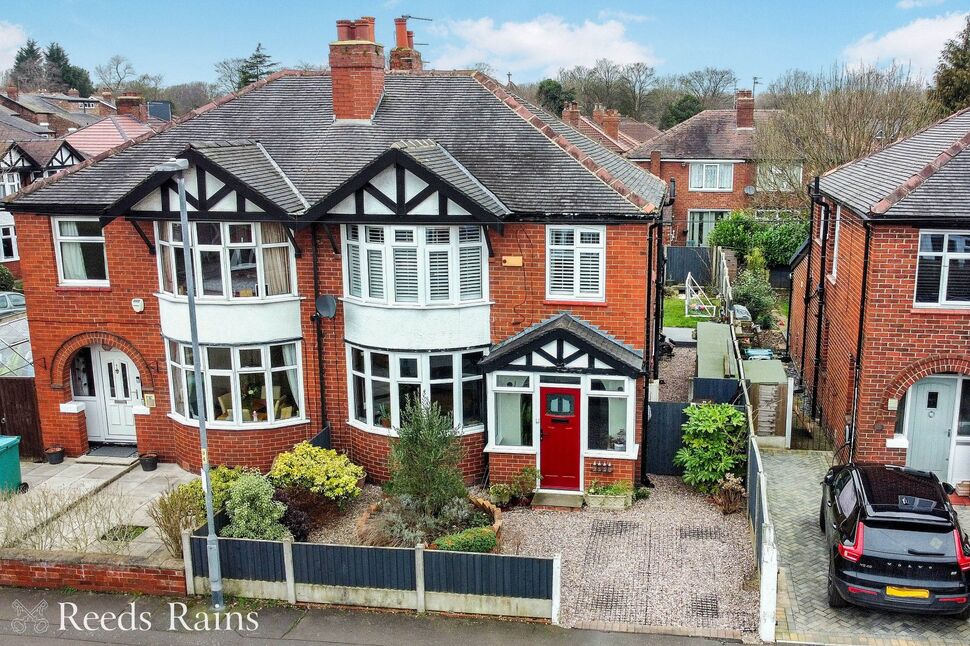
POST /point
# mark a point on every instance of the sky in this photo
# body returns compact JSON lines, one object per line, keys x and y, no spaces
{"x":183,"y":39}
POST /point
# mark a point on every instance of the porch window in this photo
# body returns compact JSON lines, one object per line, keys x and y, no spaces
{"x":80,"y":251}
{"x":382,"y":383}
{"x":700,"y":224}
{"x":575,"y":263}
{"x":9,"y":183}
{"x":513,"y":410}
{"x":607,"y":415}
{"x":713,"y":176}
{"x":244,"y":385}
{"x":943,"y":269}
{"x":234,"y":261}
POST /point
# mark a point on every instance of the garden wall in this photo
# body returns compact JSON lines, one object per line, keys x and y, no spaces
{"x":25,"y":569}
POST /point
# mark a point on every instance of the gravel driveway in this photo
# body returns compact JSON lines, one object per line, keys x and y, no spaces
{"x":670,"y":560}
{"x":676,"y":372}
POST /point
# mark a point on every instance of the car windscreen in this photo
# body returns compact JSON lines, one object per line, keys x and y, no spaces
{"x":910,"y":541}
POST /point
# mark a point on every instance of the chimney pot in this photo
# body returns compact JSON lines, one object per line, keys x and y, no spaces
{"x":598,"y":113}
{"x":744,"y":105}
{"x":345,"y":30}
{"x":401,"y":32}
{"x":404,"y":57}
{"x":570,"y":113}
{"x":73,"y":92}
{"x":12,"y":92}
{"x":356,"y":71}
{"x":410,"y":40}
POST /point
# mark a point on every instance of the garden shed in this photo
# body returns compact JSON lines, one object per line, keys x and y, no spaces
{"x":715,"y":351}
{"x":771,"y":391}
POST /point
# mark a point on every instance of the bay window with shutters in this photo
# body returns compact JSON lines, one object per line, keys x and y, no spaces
{"x":415,"y":265}
{"x":576,"y":263}
{"x":943,"y":269}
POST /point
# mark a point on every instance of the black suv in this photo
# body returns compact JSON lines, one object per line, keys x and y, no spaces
{"x":894,"y":541}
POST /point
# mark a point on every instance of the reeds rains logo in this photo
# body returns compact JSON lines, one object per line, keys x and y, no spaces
{"x":179,"y":618}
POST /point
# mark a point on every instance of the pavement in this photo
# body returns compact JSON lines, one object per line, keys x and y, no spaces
{"x":275,"y":624}
{"x":803,"y":612}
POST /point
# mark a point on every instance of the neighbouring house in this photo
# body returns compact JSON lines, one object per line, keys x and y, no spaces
{"x":484,"y":256}
{"x":711,"y":160}
{"x":132,"y":120}
{"x":880,"y":326}
{"x":608,"y":128}
{"x":62,"y":113}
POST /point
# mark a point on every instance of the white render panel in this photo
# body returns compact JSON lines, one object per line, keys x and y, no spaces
{"x":600,"y":364}
{"x":373,"y":206}
{"x":428,"y":206}
{"x":264,"y":321}
{"x":423,"y":328}
{"x":582,"y":361}
{"x":454,"y":209}
{"x":550,"y":348}
{"x":212,"y":184}
{"x":151,"y":202}
{"x":412,"y":185}
{"x":228,"y":203}
{"x":519,"y":362}
{"x":568,"y":348}
{"x":345,"y":206}
{"x":386,"y":182}
{"x":539,"y":360}
{"x":252,"y":208}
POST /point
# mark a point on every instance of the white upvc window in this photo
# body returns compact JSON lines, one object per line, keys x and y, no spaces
{"x":236,"y":261}
{"x":700,"y":224}
{"x":943,"y":269}
{"x":711,"y":176}
{"x":381,"y":383}
{"x":9,"y":183}
{"x":512,"y":410}
{"x":416,"y":265}
{"x":8,"y":243}
{"x":244,"y":386}
{"x":835,"y":243}
{"x":80,"y":251}
{"x":576,"y":263}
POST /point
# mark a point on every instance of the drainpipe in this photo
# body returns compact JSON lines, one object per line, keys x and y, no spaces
{"x":318,"y":324}
{"x":661,"y":270}
{"x":649,"y":341}
{"x":806,"y":299}
{"x":791,"y":292}
{"x":820,"y":291}
{"x":857,"y":377}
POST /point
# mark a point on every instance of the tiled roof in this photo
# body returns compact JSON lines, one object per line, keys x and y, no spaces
{"x":39,"y":104}
{"x":922,"y":176}
{"x":711,"y":134}
{"x":592,"y":130}
{"x":41,"y":150}
{"x":13,"y":128}
{"x":108,"y":132}
{"x":531,"y":166}
{"x":637,"y":131}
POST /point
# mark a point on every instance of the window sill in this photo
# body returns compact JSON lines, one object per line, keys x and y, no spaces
{"x":390,"y":432}
{"x":72,"y":407}
{"x":99,"y":287}
{"x":614,"y":455}
{"x":897,"y":442}
{"x":415,"y":306}
{"x":2,"y":260}
{"x":203,"y":300}
{"x":946,"y":310}
{"x":573,"y":302}
{"x":710,"y":190}
{"x":222,"y":426}
{"x":518,"y":450}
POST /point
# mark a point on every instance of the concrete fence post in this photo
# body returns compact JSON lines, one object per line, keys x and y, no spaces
{"x":419,"y":576}
{"x":288,"y":569}
{"x":769,"y":586}
{"x":187,"y":560}
{"x":556,"y":588}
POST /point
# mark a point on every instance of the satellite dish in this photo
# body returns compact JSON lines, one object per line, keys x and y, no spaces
{"x":749,"y":190}
{"x":326,"y":306}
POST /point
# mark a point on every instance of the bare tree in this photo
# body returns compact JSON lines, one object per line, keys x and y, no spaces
{"x":115,"y":73}
{"x":711,"y":85}
{"x":582,"y":81}
{"x":638,"y":79}
{"x":228,"y":74}
{"x":307,"y":66}
{"x":608,"y":84}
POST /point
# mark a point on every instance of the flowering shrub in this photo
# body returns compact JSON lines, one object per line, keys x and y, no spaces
{"x":322,"y":471}
{"x":222,"y":478}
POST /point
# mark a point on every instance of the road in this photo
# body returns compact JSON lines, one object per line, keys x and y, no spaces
{"x":85,"y":618}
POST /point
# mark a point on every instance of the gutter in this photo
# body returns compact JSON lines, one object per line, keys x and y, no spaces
{"x":820,"y":292}
{"x":647,"y":353}
{"x":857,"y":377}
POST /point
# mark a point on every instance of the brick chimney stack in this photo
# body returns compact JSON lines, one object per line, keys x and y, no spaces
{"x":404,"y":56}
{"x":655,"y":163}
{"x":73,"y":92}
{"x":570,"y":113}
{"x":744,"y":104}
{"x":132,"y":105}
{"x":611,"y":123}
{"x":356,"y":70}
{"x":598,"y":112}
{"x":13,"y":92}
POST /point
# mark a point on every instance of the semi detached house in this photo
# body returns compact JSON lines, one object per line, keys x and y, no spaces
{"x":484,"y":256}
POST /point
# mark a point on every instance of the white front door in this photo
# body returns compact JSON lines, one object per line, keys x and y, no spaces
{"x":120,"y":391}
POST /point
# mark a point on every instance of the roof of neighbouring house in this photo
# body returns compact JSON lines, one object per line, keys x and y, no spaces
{"x":711,"y":134}
{"x":595,"y":132}
{"x":921,"y":177}
{"x":110,"y":131}
{"x":41,"y":103}
{"x":531,"y":162}
{"x":638,"y":131}
{"x":14,"y":128}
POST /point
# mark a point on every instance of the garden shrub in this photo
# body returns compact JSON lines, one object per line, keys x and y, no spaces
{"x":425,"y":457}
{"x":475,"y":539}
{"x":222,"y":478}
{"x":737,"y":230}
{"x":524,"y":482}
{"x":303,"y":511}
{"x":730,"y":494}
{"x":322,"y":471}
{"x":753,"y":290}
{"x":7,"y":281}
{"x":777,"y":239}
{"x":641,"y":493}
{"x":715,"y":444}
{"x":175,"y":510}
{"x":501,"y":494}
{"x":401,"y":522}
{"x":252,"y":511}
{"x":597,"y":488}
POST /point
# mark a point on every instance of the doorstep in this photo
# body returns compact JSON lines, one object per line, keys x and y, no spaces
{"x":117,"y":455}
{"x":564,"y":500}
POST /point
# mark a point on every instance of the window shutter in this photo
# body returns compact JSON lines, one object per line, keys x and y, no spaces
{"x":470,"y":273}
{"x":438,"y":288}
{"x":375,"y":273}
{"x":589,"y":272}
{"x":353,"y":269}
{"x":405,"y":275}
{"x":561,"y":271}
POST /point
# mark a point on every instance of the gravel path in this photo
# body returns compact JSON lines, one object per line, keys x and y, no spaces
{"x":675,"y":374}
{"x":670,"y":560}
{"x":340,"y":529}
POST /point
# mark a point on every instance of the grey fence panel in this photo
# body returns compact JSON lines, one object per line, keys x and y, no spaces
{"x":664,"y":436}
{"x":780,"y":277}
{"x":488,"y":574}
{"x":719,"y":391}
{"x":362,"y":567}
{"x":755,"y":511}
{"x":241,"y":559}
{"x":688,"y":260}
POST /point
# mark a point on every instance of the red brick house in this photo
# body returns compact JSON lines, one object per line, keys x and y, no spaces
{"x":484,"y":256}
{"x":711,"y":159}
{"x":884,"y":351}
{"x":62,"y":113}
{"x":607,"y":128}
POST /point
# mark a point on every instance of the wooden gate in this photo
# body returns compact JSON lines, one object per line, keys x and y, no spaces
{"x":18,"y":414}
{"x":664,"y":437}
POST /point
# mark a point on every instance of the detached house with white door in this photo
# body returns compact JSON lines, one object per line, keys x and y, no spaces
{"x":484,"y":256}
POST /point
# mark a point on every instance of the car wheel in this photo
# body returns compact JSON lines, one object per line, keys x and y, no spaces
{"x":821,"y":517}
{"x":835,"y":599}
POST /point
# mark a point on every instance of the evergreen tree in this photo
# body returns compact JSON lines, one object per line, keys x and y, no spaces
{"x":28,"y":67}
{"x":684,"y":108}
{"x":79,"y":79}
{"x":952,"y":90}
{"x":552,"y":96}
{"x":256,"y":67}
{"x":55,"y":64}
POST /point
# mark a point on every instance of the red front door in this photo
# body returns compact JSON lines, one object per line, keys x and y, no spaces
{"x":559,"y":438}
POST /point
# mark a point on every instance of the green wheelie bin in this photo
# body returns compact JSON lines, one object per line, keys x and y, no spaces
{"x":10,"y":478}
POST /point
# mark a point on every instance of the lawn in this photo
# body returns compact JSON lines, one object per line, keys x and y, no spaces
{"x":674,"y":313}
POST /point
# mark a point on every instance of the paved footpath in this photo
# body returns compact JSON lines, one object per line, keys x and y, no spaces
{"x":804,"y":616}
{"x":286,"y":624}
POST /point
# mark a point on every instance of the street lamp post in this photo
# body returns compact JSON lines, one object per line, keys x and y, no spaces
{"x":179,"y":166}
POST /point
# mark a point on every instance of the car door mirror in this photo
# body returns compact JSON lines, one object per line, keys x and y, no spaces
{"x":949,"y":489}
{"x":829,"y":478}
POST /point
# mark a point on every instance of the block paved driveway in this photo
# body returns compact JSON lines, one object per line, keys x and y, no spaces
{"x":803,"y":611}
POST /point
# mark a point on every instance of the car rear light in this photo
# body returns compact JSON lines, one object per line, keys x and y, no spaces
{"x":854,"y":590}
{"x":963,"y":559}
{"x":953,"y":599}
{"x":853,"y":552}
